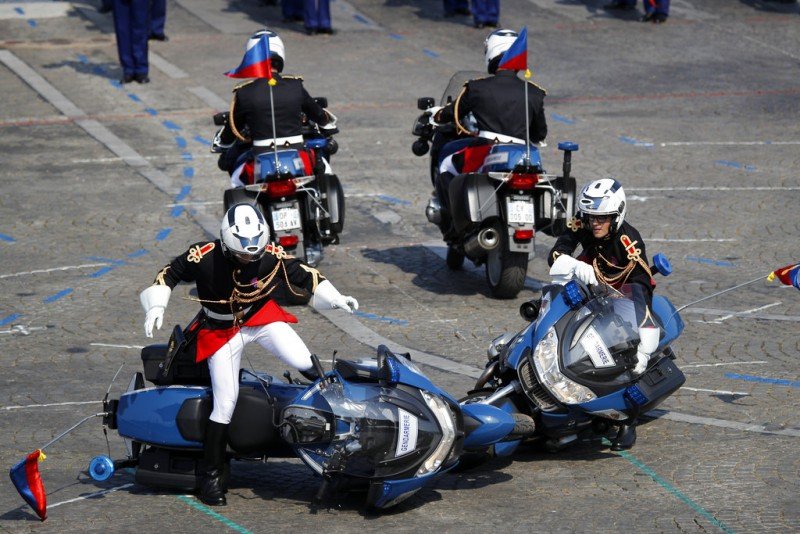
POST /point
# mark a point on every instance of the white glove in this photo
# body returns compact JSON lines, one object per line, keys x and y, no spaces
{"x":433,"y":111}
{"x":567,"y":267}
{"x":154,"y":300}
{"x":648,"y":343}
{"x":331,"y":124}
{"x":327,"y":297}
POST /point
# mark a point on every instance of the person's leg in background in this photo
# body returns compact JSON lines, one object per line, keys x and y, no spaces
{"x":122,"y":29}
{"x":140,"y":30}
{"x":158,"y":18}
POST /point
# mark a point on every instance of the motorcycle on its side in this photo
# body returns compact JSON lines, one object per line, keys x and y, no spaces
{"x":376,"y":425}
{"x":302,"y":203}
{"x":495,"y":211}
{"x":570,"y":369}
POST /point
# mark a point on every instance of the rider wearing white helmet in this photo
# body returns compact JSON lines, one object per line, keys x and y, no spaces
{"x":612,"y":252}
{"x":497,"y":104}
{"x":235,"y":276}
{"x":251,"y":121}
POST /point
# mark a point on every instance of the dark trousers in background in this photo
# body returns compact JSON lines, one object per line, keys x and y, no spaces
{"x":317,"y":14}
{"x":292,"y":10}
{"x":158,"y":17}
{"x":486,"y":11}
{"x":660,"y":7}
{"x":131,"y":27}
{"x":451,"y":6}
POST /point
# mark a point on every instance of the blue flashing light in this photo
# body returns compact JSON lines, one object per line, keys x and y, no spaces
{"x":572,"y":294}
{"x":317,"y":143}
{"x":662,"y":264}
{"x":394,"y":371}
{"x":635,"y":394}
{"x":568,"y":146}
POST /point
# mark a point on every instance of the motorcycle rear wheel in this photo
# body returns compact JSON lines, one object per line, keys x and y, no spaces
{"x":505,"y":270}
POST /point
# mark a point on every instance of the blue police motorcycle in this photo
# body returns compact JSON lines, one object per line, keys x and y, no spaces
{"x":378,"y":425}
{"x":570,"y":369}
{"x":497,"y":208}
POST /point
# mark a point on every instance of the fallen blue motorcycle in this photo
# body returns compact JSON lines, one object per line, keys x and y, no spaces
{"x":377,"y":425}
{"x":571,"y":368}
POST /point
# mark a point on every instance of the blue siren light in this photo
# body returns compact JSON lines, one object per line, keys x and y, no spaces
{"x":662,"y":264}
{"x":572,"y":294}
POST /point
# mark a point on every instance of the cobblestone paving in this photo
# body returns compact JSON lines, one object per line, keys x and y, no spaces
{"x":697,"y":117}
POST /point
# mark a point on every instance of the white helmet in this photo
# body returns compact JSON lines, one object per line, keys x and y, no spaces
{"x":604,"y":197}
{"x":496,"y":45}
{"x":243,"y":233}
{"x":277,"y":52}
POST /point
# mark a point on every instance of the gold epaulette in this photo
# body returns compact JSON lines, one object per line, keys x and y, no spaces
{"x":291,"y":77}
{"x":197,"y":252}
{"x":239,"y":86}
{"x":574,"y":224}
{"x":539,"y":87}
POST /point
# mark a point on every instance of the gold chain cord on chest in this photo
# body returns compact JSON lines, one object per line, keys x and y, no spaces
{"x":634,"y":257}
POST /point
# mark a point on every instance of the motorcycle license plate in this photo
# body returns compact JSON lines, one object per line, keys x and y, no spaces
{"x":520,"y":211}
{"x":286,"y":219}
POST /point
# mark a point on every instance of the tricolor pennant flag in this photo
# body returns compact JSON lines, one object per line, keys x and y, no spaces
{"x":788,"y":275}
{"x":516,"y":57}
{"x":255,"y":63}
{"x":25,"y":477}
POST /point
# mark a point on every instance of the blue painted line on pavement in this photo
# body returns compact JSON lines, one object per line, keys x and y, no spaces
{"x":105,"y":260}
{"x":735,"y":165}
{"x":83,"y":59}
{"x":561,"y":118}
{"x":186,"y":156}
{"x":115,"y":83}
{"x":181,"y":142}
{"x":709,"y":261}
{"x":203,"y":141}
{"x":188,"y":172}
{"x":169,"y":125}
{"x":140,"y":252}
{"x":19,"y":10}
{"x":134,"y":97}
{"x":163,"y":233}
{"x":393,"y":200}
{"x":635,"y":142}
{"x":184,"y":192}
{"x":211,"y":513}
{"x":396,"y":36}
{"x":430,"y":53}
{"x":764,"y":380}
{"x":100,"y":71}
{"x":360,"y":19}
{"x":374,"y":317}
{"x":61,"y":294}
{"x":7,"y":238}
{"x":32,"y":23}
{"x":100,"y":272}
{"x":151,"y":111}
{"x":176,"y":211}
{"x":672,"y":489}
{"x":7,"y":319}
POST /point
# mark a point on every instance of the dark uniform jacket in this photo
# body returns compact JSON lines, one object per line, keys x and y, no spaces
{"x":616,"y":253}
{"x":227,"y":287}
{"x":498,"y":104}
{"x":250,"y":107}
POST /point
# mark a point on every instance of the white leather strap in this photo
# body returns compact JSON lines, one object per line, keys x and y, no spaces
{"x":280,"y":141}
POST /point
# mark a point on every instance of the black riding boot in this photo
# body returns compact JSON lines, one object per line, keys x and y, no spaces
{"x":212,"y":492}
{"x":626,"y":437}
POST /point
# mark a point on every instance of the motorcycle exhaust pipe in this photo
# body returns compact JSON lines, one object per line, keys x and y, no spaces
{"x":481,"y":243}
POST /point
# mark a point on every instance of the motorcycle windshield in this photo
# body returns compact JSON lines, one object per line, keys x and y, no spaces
{"x":457,"y":82}
{"x":388,"y":432}
{"x":599,"y":341}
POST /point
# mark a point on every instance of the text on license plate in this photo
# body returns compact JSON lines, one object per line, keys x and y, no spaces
{"x":520,"y":211}
{"x":286,"y":219}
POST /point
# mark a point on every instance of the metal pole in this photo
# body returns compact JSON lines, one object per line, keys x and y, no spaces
{"x":73,"y":427}
{"x":270,"y":83}
{"x":527,"y":121}
{"x":719,"y":293}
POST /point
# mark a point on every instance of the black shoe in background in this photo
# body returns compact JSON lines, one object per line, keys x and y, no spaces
{"x":104,"y":9}
{"x":128,"y":78}
{"x":618,"y":4}
{"x":659,"y":18}
{"x":156,"y":37}
{"x":328,"y":31}
{"x":463,"y":11}
{"x":141,"y":78}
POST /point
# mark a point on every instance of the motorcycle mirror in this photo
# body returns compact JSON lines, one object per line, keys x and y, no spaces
{"x":420,"y":147}
{"x":333,"y":146}
{"x":425,"y":102}
{"x":221,"y":119}
{"x":530,"y":310}
{"x":322,"y":101}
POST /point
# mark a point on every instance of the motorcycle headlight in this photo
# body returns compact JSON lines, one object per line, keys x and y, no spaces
{"x":446,"y":419}
{"x":545,"y":358}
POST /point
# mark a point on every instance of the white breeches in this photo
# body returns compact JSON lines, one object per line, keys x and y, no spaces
{"x":278,"y":338}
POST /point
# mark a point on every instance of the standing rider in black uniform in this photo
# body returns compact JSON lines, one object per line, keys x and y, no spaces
{"x":235,"y":276}
{"x":613,"y":252}
{"x":497,"y":104}
{"x":251,"y":121}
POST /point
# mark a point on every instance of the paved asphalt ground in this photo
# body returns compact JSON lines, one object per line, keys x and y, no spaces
{"x":102,"y":184}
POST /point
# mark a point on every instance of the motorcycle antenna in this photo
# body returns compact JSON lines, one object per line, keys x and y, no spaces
{"x":271,"y":82}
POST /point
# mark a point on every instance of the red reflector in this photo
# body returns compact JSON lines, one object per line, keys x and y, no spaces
{"x":523,"y":235}
{"x":288,"y":240}
{"x":523,"y":181}
{"x":283,"y":188}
